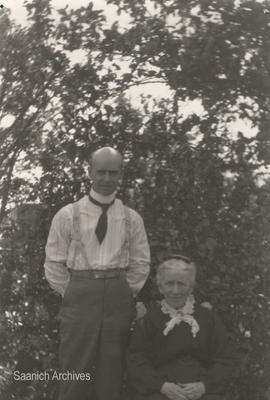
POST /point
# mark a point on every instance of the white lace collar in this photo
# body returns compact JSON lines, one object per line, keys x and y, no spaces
{"x":183,"y":314}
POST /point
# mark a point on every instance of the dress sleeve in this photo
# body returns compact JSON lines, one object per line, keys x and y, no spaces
{"x":139,"y":255}
{"x":57,"y":246}
{"x":142,"y":375}
{"x":222,"y":358}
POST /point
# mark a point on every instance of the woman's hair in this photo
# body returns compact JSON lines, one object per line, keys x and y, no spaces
{"x":177,"y":262}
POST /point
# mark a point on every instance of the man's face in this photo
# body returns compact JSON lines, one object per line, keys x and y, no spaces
{"x":106,"y":173}
{"x":175,"y":286}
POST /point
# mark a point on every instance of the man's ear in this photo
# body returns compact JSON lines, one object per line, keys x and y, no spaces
{"x":122,"y":173}
{"x":120,"y":180}
{"x":90,"y":172}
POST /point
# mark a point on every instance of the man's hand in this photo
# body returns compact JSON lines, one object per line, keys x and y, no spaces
{"x":140,"y":310}
{"x":173,"y":391}
{"x":193,"y":390}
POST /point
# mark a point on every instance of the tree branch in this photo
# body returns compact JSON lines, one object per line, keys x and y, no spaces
{"x":123,"y":88}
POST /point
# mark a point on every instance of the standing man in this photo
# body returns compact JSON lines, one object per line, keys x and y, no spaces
{"x":97,"y":258}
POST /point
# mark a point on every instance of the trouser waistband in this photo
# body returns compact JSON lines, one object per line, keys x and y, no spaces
{"x":98,"y":273}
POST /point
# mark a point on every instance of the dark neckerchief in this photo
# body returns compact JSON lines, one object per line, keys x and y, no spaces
{"x":102,"y":225}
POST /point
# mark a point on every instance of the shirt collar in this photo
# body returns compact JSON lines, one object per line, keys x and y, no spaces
{"x":102,"y":199}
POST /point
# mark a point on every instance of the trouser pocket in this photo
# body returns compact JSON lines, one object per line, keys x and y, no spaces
{"x":126,"y":286}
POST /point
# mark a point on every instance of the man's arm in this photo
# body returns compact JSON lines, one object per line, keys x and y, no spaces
{"x":58,"y":242}
{"x":139,"y":255}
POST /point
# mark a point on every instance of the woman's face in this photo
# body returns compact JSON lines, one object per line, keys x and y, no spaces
{"x":175,"y":285}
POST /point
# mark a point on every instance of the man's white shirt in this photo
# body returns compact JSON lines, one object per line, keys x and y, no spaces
{"x":61,"y":253}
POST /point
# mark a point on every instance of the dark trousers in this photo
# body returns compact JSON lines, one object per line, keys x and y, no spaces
{"x":95,"y":319}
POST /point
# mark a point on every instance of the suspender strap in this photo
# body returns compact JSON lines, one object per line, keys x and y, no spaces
{"x":76,"y":231}
{"x":126,"y":245}
{"x":77,"y":235}
{"x":76,"y":222}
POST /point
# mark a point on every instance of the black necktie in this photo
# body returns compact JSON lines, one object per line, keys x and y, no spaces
{"x":101,"y":228}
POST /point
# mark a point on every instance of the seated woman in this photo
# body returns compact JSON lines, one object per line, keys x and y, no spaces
{"x":179,"y":350}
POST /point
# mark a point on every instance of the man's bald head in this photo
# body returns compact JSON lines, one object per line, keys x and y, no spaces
{"x":105,"y":170}
{"x":106,"y":153}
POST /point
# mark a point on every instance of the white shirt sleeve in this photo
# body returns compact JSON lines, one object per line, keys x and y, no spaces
{"x":57,"y":246}
{"x":139,"y":255}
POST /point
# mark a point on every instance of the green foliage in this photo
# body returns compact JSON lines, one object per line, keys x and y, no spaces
{"x":28,"y":310}
{"x":198,"y":188}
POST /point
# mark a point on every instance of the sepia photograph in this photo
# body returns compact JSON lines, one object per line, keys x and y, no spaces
{"x":135,"y":200}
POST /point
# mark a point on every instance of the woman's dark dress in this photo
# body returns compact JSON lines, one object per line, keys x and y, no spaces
{"x":179,"y":357}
